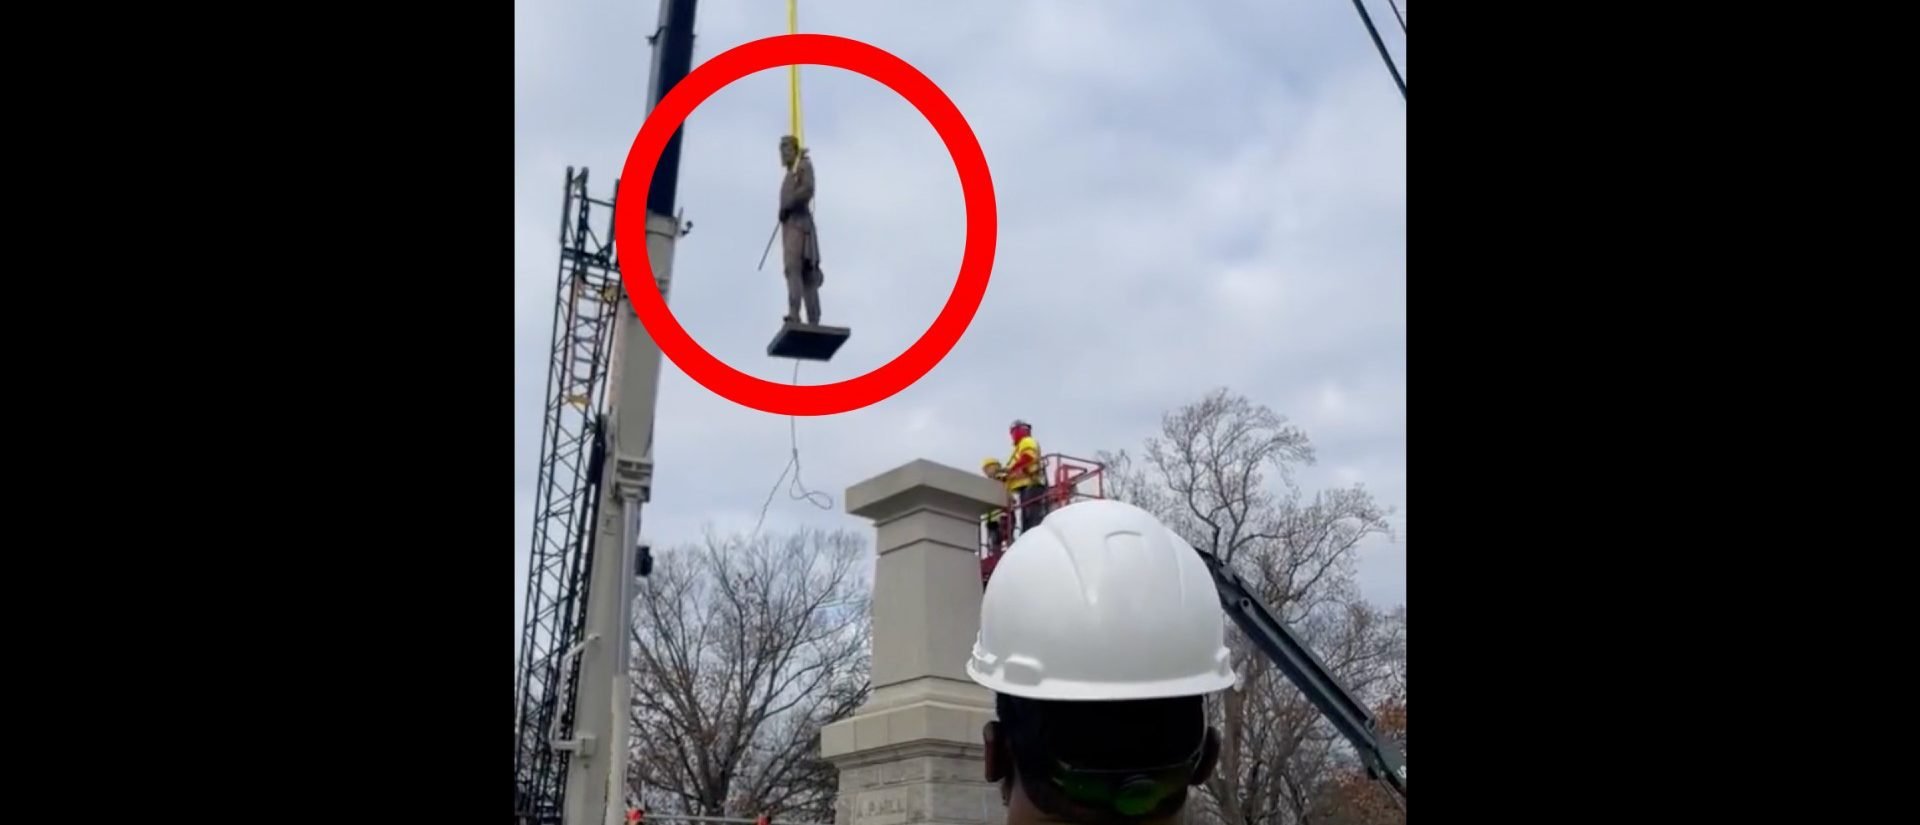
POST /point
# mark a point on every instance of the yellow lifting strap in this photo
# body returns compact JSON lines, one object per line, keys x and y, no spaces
{"x":793,"y":74}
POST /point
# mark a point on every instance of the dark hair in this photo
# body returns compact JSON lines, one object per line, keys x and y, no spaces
{"x":1053,"y":744}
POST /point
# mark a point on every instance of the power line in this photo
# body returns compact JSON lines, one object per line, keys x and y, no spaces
{"x":1395,"y":4}
{"x":1378,"y":44}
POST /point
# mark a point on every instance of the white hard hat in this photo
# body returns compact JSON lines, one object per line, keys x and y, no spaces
{"x":1101,"y":602}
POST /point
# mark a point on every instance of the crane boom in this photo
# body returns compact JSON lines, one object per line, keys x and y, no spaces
{"x":573,"y":449}
{"x":1309,"y":674}
{"x":596,"y":777}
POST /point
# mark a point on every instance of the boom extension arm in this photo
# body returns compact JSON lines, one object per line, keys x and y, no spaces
{"x":1307,"y":673}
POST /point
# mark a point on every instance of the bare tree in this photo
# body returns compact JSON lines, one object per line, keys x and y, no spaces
{"x":1354,"y":798}
{"x":743,"y":650}
{"x":1221,"y":472}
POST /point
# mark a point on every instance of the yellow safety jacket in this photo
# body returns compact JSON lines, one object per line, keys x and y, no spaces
{"x":1035,"y":472}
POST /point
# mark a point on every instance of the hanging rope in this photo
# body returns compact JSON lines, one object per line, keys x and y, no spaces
{"x":796,"y":491}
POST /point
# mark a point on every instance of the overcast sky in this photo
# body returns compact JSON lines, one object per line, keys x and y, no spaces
{"x":1191,"y":195}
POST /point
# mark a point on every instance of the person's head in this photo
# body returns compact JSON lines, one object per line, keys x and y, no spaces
{"x":1019,"y":429}
{"x":1101,"y":634}
{"x":990,"y":467}
{"x":789,"y":150}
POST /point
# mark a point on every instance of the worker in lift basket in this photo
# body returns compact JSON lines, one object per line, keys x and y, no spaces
{"x":1100,"y":639}
{"x":1026,"y":475}
{"x":996,"y":529}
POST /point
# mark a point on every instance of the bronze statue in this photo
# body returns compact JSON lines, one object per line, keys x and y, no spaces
{"x":799,"y":240}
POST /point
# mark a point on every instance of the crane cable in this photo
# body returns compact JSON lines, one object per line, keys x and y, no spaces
{"x":1377,"y":43}
{"x":793,"y":111}
{"x":793,"y":77}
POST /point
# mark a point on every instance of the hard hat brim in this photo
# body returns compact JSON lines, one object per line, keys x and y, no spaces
{"x":1065,"y":690}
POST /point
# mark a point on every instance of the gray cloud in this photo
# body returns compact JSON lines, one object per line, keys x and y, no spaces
{"x":1210,"y":197}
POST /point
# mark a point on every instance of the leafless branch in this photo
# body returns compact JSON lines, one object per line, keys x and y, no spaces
{"x":743,"y":651}
{"x":1222,"y":472}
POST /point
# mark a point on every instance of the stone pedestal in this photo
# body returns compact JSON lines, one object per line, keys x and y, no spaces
{"x":913,"y":753}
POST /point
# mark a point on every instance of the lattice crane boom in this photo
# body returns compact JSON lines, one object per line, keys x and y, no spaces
{"x":573,"y":707}
{"x":565,"y":498}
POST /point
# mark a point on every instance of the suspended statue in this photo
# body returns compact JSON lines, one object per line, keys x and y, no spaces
{"x":800,"y":251}
{"x":799,"y":238}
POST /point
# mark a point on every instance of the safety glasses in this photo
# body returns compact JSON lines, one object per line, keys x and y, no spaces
{"x":1127,"y":791}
